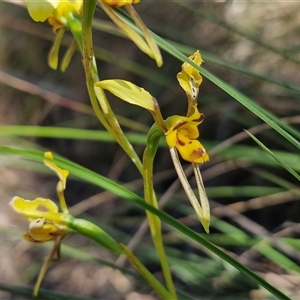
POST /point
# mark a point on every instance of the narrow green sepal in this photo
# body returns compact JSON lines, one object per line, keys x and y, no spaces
{"x":68,"y":56}
{"x":54,"y":51}
{"x":95,"y":233}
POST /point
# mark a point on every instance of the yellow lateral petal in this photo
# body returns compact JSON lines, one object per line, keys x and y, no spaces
{"x":33,"y":208}
{"x":171,"y":138}
{"x":128,"y":92}
{"x":61,"y":173}
{"x":54,"y":51}
{"x":190,"y":128}
{"x":41,"y":10}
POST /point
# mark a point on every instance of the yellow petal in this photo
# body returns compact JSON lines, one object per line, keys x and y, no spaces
{"x":128,"y":92}
{"x":34,"y":208}
{"x":41,"y":10}
{"x":191,"y":150}
{"x":186,"y":125}
{"x":190,"y":128}
{"x":171,"y":138}
{"x":66,"y":8}
{"x":28,"y":237}
{"x":61,"y":173}
{"x":189,"y":78}
{"x":41,"y":230}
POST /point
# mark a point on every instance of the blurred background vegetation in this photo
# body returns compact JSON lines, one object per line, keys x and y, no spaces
{"x":252,"y":46}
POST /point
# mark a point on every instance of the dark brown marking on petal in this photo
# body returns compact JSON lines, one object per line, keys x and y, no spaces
{"x":179,"y":124}
{"x":181,"y":143}
{"x":200,"y":119}
{"x":199,"y":152}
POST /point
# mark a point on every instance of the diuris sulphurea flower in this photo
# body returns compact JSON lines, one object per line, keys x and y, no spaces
{"x":66,"y":14}
{"x":43,"y":216}
{"x":181,"y":132}
{"x":45,"y":221}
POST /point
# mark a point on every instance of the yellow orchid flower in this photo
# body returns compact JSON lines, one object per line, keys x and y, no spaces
{"x":183,"y":133}
{"x":46,"y":222}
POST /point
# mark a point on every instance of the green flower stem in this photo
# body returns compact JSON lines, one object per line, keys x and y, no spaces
{"x":104,"y":111}
{"x":154,"y":136}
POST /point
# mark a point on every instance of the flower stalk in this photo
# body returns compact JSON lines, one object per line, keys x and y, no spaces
{"x":154,"y":135}
{"x":97,"y":96}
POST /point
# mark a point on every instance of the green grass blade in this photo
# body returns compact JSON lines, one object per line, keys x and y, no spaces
{"x":43,"y":294}
{"x":66,"y":133}
{"x":280,"y":161}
